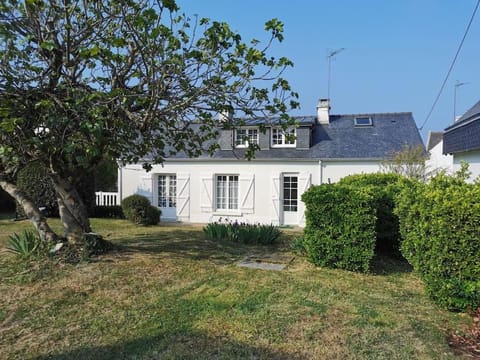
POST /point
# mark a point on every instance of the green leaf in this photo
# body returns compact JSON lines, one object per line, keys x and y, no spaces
{"x":47,"y":45}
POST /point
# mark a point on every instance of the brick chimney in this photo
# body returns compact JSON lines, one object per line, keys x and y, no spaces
{"x":323,"y":111}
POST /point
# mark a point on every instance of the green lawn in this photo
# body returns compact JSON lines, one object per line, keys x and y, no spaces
{"x":171,"y":294}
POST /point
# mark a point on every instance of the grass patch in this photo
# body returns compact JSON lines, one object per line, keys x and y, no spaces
{"x":169,"y":293}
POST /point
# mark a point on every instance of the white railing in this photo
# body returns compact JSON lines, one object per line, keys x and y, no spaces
{"x":106,"y":198}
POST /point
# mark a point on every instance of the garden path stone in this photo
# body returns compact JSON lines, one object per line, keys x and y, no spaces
{"x":267,"y":262}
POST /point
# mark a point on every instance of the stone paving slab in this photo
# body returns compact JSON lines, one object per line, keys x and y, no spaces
{"x":267,"y":262}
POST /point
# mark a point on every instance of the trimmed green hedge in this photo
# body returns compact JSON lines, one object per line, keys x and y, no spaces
{"x":440,"y":224}
{"x":138,"y":210}
{"x":340,"y":226}
{"x":385,"y":187}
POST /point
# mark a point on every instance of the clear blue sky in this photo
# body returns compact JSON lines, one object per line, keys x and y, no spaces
{"x":397,"y":51}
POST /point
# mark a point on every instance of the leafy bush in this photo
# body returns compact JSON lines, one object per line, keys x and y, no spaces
{"x":385,"y":187}
{"x":34,"y":180}
{"x":340,"y":226}
{"x":297,"y":245}
{"x":257,"y":234}
{"x":440,"y":223}
{"x":25,"y":245}
{"x":108,"y":212}
{"x":138,"y":210}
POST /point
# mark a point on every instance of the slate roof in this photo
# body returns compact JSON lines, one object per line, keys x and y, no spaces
{"x":301,"y":120}
{"x":434,"y":137}
{"x":342,"y":140}
{"x":464,"y":135}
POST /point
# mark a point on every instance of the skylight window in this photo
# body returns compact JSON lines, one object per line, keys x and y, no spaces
{"x":363,"y":121}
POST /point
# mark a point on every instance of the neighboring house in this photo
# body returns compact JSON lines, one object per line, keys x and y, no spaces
{"x":437,"y":161}
{"x":268,"y":188}
{"x":462,"y":140}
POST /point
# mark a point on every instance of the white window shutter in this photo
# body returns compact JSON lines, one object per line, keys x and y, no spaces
{"x":304,"y":182}
{"x":183,"y":196}
{"x":247,"y":193}
{"x":206,"y":195}
{"x":146,"y":187}
{"x":276,"y":198}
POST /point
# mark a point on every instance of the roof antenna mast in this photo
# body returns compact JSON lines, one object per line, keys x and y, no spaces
{"x":331,"y":55}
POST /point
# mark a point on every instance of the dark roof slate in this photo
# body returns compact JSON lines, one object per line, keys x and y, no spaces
{"x":464,"y":134}
{"x":434,"y":137}
{"x":341,"y":139}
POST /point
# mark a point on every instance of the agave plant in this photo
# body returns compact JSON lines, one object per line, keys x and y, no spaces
{"x":25,"y":245}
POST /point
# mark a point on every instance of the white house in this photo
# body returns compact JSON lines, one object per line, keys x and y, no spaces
{"x":268,"y":188}
{"x":437,"y":161}
{"x":462,"y":140}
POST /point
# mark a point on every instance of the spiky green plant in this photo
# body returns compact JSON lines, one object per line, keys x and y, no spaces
{"x":25,"y":245}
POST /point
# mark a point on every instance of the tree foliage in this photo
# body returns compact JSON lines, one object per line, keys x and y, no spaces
{"x":81,"y":80}
{"x":409,"y":162}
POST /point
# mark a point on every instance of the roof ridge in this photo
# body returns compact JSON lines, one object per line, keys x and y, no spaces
{"x":376,"y":113}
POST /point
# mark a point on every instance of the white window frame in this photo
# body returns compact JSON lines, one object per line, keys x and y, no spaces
{"x":370,"y":122}
{"x":170,"y":195}
{"x":290,"y":204}
{"x":280,"y":138}
{"x":246,"y":139}
{"x":229,"y":194}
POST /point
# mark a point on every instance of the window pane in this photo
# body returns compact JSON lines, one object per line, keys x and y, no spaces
{"x":172,"y":191}
{"x":290,"y":193}
{"x":227,"y":192}
{"x":253,"y":136}
{"x":240,"y":137}
{"x":291,"y":132}
{"x":233,"y":192}
{"x":221,"y":192}
{"x":162,"y":191}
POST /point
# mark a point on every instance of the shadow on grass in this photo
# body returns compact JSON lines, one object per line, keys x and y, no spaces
{"x":7,"y":215}
{"x":189,"y":244}
{"x":387,"y":265}
{"x":186,"y":345}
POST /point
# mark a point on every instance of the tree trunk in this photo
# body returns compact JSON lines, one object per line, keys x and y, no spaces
{"x":31,"y":210}
{"x":73,"y":230}
{"x":73,"y":213}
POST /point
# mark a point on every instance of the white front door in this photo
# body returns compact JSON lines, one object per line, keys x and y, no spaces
{"x":167,"y":196}
{"x":289,"y":204}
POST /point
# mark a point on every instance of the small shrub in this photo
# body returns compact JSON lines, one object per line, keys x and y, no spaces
{"x":340,"y":227}
{"x":255,"y":234}
{"x":25,"y":245}
{"x":108,"y":212}
{"x":297,"y":245}
{"x":138,"y":210}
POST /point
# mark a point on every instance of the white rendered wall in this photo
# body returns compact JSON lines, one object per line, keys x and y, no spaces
{"x":438,"y":161}
{"x":473,"y":160}
{"x":333,"y":171}
{"x":262,"y":203}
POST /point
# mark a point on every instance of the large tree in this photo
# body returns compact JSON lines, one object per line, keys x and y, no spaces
{"x":84,"y":79}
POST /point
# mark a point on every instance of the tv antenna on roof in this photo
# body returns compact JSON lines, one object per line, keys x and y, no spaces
{"x":331,"y":55}
{"x":455,"y":87}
